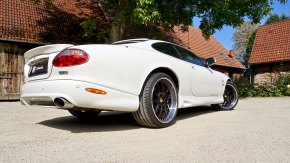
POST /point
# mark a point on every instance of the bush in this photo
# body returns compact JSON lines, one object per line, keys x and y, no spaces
{"x":267,"y":90}
{"x":280,"y":88}
{"x":245,"y":89}
{"x":287,"y":92}
{"x":282,"y":82}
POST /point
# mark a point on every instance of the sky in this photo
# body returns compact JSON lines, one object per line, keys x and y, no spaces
{"x":224,"y":36}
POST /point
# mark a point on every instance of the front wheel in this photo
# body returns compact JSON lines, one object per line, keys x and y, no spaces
{"x":231,"y":98}
{"x":158,"y":102}
{"x":84,"y":114}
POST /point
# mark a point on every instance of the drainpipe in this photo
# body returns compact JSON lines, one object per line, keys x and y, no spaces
{"x":250,"y":72}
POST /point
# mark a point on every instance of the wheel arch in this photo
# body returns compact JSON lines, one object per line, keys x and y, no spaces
{"x":165,"y":70}
{"x":229,"y":80}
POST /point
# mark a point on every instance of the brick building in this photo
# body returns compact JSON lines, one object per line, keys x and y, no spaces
{"x":24,"y":25}
{"x":194,"y":41}
{"x":271,"y":52}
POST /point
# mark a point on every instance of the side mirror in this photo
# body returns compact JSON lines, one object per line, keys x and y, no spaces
{"x":210,"y":61}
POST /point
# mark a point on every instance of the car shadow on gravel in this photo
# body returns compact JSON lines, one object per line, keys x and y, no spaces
{"x":113,"y":121}
{"x":194,"y":112}
{"x":106,"y":121}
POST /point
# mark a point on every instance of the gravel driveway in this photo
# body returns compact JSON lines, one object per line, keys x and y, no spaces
{"x":257,"y":131}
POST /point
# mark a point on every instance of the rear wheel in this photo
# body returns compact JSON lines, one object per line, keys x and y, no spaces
{"x":84,"y":114}
{"x":158,"y":102}
{"x":231,"y":98}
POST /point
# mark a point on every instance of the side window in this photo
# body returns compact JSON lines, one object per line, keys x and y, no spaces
{"x":188,"y":56}
{"x":166,"y":48}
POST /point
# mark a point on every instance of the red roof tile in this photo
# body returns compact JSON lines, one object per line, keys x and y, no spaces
{"x":23,"y":20}
{"x":272,"y":43}
{"x":194,"y":41}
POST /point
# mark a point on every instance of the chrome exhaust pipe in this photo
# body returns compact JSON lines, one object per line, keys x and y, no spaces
{"x":62,"y":103}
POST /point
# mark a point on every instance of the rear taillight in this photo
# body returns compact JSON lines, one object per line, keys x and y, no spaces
{"x":70,"y":57}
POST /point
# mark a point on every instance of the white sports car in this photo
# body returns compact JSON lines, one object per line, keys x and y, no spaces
{"x":149,"y":78}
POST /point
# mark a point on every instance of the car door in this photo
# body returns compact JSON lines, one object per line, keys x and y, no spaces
{"x":204,"y":81}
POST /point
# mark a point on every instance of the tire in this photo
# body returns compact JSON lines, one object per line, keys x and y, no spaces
{"x":84,"y":114}
{"x":158,"y":102}
{"x":231,"y":98}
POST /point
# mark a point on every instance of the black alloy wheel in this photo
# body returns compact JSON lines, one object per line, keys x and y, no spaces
{"x":231,"y":98}
{"x":158,"y":102}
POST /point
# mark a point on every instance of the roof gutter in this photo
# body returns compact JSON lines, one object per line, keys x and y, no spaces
{"x":267,"y":62}
{"x":20,"y":41}
{"x":242,"y":68}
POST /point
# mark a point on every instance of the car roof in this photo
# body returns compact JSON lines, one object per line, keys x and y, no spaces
{"x":129,"y":41}
{"x":143,"y":43}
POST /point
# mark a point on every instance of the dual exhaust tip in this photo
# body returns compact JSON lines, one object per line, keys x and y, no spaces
{"x":62,"y":103}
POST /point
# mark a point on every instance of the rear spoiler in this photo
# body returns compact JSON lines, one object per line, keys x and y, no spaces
{"x":47,"y":49}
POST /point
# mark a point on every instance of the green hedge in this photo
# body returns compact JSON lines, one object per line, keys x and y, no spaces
{"x":245,"y":89}
{"x":279,"y":88}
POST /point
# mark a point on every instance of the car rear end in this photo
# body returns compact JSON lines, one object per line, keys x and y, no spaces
{"x":37,"y":68}
{"x":62,"y":76}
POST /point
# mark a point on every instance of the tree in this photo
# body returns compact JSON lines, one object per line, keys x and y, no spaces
{"x":250,"y":45}
{"x":272,"y":18}
{"x":90,"y":26}
{"x":248,"y":73}
{"x":275,"y":18}
{"x":169,"y":13}
{"x":241,"y":39}
{"x":284,"y":17}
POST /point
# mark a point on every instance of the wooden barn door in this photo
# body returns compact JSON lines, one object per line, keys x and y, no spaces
{"x":11,"y":71}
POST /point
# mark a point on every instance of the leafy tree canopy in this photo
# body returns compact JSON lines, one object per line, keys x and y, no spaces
{"x":275,"y":18}
{"x":250,"y":45}
{"x":241,"y":38}
{"x":168,"y":13}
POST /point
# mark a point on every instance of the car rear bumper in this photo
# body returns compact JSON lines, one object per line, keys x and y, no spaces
{"x":44,"y":93}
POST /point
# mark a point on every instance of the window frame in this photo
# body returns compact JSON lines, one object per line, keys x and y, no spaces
{"x":180,"y":57}
{"x":193,"y":55}
{"x":166,"y":43}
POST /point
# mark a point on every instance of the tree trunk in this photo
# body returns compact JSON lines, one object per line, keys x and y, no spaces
{"x":118,"y":24}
